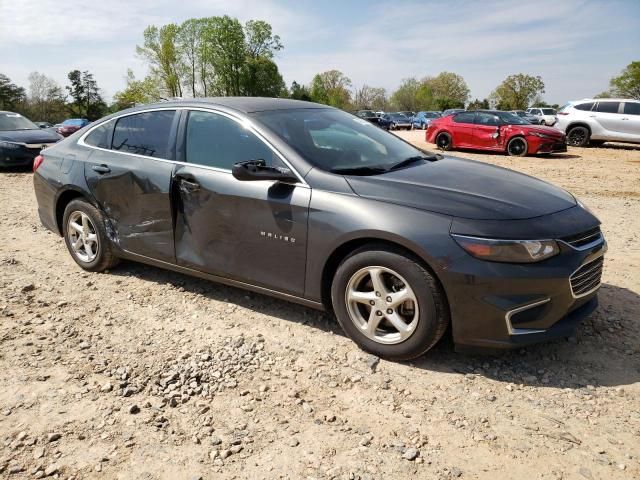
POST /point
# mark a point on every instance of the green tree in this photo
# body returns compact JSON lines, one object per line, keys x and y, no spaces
{"x":84,"y":91}
{"x":261,"y":78}
{"x":11,"y":95}
{"x":370,"y":98}
{"x":517,"y":92}
{"x":448,"y":90}
{"x":161,"y":50}
{"x":261,"y":42}
{"x":225,"y":53}
{"x":188,"y":41}
{"x":627,"y":84}
{"x":406,"y":96}
{"x":331,"y":88}
{"x":299,"y":92}
{"x":137,"y":92}
{"x":479,"y":105}
{"x":46,"y":99}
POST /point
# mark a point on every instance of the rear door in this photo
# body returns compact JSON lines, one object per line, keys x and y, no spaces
{"x":251,"y":231}
{"x":631,"y":120}
{"x":129,"y":173}
{"x":462,"y":129}
{"x":607,"y":114}
{"x":486,"y":131}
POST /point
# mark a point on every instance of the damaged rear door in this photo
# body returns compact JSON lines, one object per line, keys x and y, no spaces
{"x":131,"y":181}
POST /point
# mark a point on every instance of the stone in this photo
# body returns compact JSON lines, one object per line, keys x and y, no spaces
{"x":411,"y":454}
{"x":51,"y":470}
{"x":133,"y":409}
{"x":54,"y":437}
{"x":38,"y":453}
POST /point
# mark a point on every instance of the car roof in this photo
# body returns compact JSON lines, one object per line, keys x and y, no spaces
{"x":241,"y":104}
{"x":605,"y":99}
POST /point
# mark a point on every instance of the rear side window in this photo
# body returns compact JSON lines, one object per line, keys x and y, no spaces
{"x":465,"y":117}
{"x":632,"y":108}
{"x":100,"y":136}
{"x":608,"y":107}
{"x":145,"y":134}
{"x":585,"y":106}
{"x":217,"y":141}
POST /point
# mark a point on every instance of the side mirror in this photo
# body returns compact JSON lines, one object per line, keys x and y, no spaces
{"x":253,"y":170}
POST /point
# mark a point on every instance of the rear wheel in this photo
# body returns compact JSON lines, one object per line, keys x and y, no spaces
{"x":578,"y":136}
{"x":542,"y":122}
{"x":86,"y":237}
{"x":389,"y":304}
{"x":443,"y":141}
{"x":517,"y":147}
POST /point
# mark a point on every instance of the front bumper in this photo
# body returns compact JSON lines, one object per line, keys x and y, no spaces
{"x":500,"y":305}
{"x":552,"y":147}
{"x":21,"y":156}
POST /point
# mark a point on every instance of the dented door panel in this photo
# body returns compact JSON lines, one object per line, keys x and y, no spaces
{"x":255,"y":232}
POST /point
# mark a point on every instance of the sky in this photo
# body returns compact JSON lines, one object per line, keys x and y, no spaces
{"x":576,"y":46}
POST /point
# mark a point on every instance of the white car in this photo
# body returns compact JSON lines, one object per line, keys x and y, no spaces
{"x":545,"y":116}
{"x":597,"y":120}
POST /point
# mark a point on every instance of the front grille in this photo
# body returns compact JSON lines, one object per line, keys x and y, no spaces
{"x":587,"y":278}
{"x":583,"y":238}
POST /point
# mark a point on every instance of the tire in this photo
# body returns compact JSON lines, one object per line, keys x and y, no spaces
{"x":392,"y":126}
{"x":411,"y":127}
{"x":578,"y":136}
{"x":423,"y":126}
{"x":517,"y":147}
{"x":425,"y":315}
{"x":93,"y":256}
{"x":542,"y":122}
{"x":443,"y":141}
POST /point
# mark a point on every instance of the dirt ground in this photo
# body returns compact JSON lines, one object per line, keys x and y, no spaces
{"x":146,"y":374}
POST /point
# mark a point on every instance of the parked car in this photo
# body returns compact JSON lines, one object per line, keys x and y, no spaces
{"x":526,"y":116}
{"x":422,"y":119}
{"x":299,"y":201}
{"x":21,"y":140}
{"x":496,"y":131}
{"x":451,"y":111}
{"x":595,"y":121}
{"x":407,"y":113}
{"x":394,"y":121}
{"x":72,"y":125}
{"x":43,"y":124}
{"x":544,"y":116}
{"x":368,"y":115}
{"x":380,"y":113}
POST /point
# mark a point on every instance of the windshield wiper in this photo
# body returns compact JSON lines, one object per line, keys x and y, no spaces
{"x":359,"y":170}
{"x":408,"y":161}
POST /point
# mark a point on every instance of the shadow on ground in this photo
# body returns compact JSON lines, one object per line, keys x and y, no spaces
{"x":594,"y":357}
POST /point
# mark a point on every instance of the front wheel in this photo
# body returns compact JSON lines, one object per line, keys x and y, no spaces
{"x":86,"y":237}
{"x":517,"y":147}
{"x":542,"y":122}
{"x":578,"y":136}
{"x":389,"y":304}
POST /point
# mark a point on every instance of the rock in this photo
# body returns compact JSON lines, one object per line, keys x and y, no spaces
{"x":84,"y":346}
{"x":51,"y":470}
{"x":225,"y":453}
{"x":38,"y":453}
{"x":133,"y":409}
{"x":372,"y":362}
{"x":586,"y":473}
{"x":13,"y":469}
{"x":215,"y":440}
{"x":54,"y":437}
{"x":411,"y":454}
{"x":455,"y":472}
{"x":21,"y":436}
{"x":29,"y":287}
{"x":235,"y":449}
{"x":306,"y":407}
{"x":294,"y":442}
{"x":106,"y":388}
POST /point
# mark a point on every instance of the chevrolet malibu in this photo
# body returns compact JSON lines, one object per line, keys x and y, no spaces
{"x":317,"y":206}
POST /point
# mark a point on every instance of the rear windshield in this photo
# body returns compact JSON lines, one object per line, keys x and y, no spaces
{"x":15,"y":121}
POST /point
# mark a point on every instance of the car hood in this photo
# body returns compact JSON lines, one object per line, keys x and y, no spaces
{"x":552,"y":132}
{"x":465,"y":189}
{"x":29,"y":136}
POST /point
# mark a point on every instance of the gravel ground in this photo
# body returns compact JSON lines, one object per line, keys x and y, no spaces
{"x":147,"y":374}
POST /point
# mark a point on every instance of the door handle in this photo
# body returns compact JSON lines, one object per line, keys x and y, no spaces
{"x":100,"y":169}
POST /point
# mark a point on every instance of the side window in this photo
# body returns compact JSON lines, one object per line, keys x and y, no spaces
{"x":464,"y":117}
{"x":145,"y":134}
{"x":217,"y":141}
{"x":632,"y":108}
{"x":608,"y":107}
{"x":585,"y":106}
{"x":487,"y":119}
{"x":100,"y":136}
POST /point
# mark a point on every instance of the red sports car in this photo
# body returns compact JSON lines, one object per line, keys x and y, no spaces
{"x":496,"y":131}
{"x":72,"y":125}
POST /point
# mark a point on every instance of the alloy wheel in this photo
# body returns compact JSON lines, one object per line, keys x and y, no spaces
{"x":576,"y":137}
{"x":83,"y":237}
{"x":516,"y":147}
{"x":442,"y":141}
{"x":382,"y":305}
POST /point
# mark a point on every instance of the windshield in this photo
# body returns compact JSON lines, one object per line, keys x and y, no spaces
{"x":510,"y":118}
{"x":334,"y":140}
{"x":401,"y":116}
{"x":75,"y":122}
{"x":15,"y":121}
{"x":548,"y":111}
{"x":431,"y":115}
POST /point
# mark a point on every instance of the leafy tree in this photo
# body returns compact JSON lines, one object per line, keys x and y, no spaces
{"x":627,"y":84}
{"x":261,"y":78}
{"x":225,"y":53}
{"x":46,"y":100}
{"x":406,"y":96}
{"x":11,"y":95}
{"x":189,"y":46}
{"x":517,"y":92}
{"x":331,"y":88}
{"x":299,"y":92}
{"x":261,"y":42}
{"x":370,"y":98}
{"x":84,"y":91}
{"x":137,"y":92}
{"x":479,"y":105}
{"x":448,"y":90}
{"x":161,"y":51}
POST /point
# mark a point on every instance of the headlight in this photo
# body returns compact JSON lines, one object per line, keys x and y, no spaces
{"x":9,"y":145}
{"x":510,"y":251}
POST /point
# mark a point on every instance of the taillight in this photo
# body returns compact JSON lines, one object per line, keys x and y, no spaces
{"x":37,"y":162}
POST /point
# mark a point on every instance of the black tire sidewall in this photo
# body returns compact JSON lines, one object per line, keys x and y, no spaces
{"x":426,"y":333}
{"x":518,"y":139}
{"x":103,"y":258}
{"x":448,"y":146}
{"x":586,"y":136}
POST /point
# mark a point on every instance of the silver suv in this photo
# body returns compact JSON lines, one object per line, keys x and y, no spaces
{"x":595,"y":121}
{"x":544,"y":116}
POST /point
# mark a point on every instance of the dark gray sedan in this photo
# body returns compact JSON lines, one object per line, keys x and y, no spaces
{"x":317,"y":206}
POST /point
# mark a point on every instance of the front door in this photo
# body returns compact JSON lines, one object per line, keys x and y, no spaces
{"x":251,"y":231}
{"x":131,"y":181}
{"x":463,"y":129}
